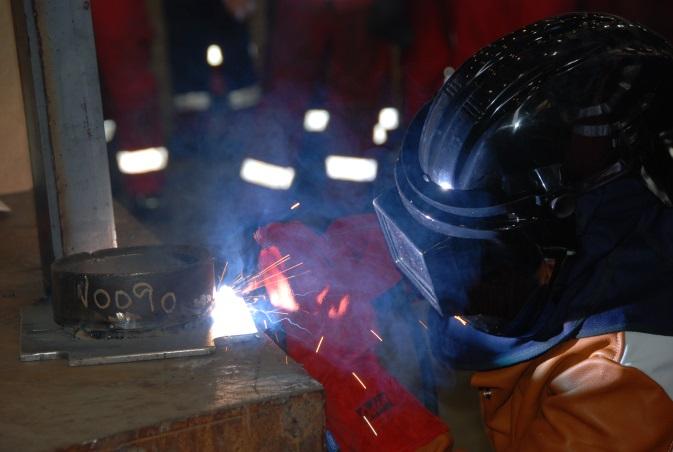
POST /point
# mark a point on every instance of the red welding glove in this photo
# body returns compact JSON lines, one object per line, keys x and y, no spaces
{"x":331,"y":331}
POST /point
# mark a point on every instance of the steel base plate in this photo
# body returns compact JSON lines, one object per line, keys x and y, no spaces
{"x":42,"y":339}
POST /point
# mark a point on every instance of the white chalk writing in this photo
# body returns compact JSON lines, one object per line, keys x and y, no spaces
{"x":168,"y":295}
{"x":96,"y":297}
{"x":84,"y":297}
{"x":123,"y":300}
{"x":119,"y":294}
{"x":142,"y":288}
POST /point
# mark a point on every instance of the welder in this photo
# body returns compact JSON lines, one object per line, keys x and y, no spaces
{"x":532,"y":209}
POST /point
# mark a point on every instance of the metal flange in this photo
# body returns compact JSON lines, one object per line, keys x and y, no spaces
{"x":137,"y":289}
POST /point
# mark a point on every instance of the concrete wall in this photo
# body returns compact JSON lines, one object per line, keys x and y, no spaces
{"x":15,"y":172}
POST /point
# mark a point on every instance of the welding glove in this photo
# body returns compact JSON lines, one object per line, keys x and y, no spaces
{"x":330,"y":325}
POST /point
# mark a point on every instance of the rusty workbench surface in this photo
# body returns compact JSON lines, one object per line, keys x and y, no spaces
{"x":244,"y":397}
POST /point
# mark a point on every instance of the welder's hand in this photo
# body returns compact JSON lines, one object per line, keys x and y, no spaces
{"x":319,"y":287}
{"x":368,"y":410}
{"x":331,"y":330}
{"x":326,"y":282}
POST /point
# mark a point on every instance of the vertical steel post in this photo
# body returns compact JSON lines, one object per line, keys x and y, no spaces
{"x":57,"y":56}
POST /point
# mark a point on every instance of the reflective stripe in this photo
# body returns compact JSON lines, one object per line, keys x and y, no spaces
{"x":653,"y":355}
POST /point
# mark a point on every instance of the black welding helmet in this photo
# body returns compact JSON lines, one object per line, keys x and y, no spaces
{"x":489,"y":171}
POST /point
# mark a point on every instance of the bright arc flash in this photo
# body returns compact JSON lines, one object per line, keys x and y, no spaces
{"x":230,"y":315}
{"x":316,"y":120}
{"x":389,"y":118}
{"x":214,"y":55}
{"x":267,"y":175}
{"x":353,"y":169}
{"x":142,"y":161}
{"x":379,"y":135}
{"x":446,"y":186}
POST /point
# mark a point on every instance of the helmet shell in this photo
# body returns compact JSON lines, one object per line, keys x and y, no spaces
{"x":539,"y":117}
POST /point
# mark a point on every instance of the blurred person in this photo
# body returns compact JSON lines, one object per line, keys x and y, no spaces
{"x":212,"y":73}
{"x":447,"y":32}
{"x":129,"y":88}
{"x":327,"y":76}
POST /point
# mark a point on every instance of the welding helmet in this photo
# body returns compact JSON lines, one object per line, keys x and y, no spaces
{"x":490,"y":169}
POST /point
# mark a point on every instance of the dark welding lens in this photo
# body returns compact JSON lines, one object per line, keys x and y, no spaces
{"x":407,"y":243}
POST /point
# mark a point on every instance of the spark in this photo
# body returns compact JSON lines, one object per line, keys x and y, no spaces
{"x":286,"y":360}
{"x":234,"y":301}
{"x":256,"y":284}
{"x":370,"y":425}
{"x":423,"y":324}
{"x":224,"y":272}
{"x":295,"y":205}
{"x":266,"y":269}
{"x":377,"y":336}
{"x":281,"y":277}
{"x":358,"y":379}
{"x":317,"y":349}
{"x":272,"y":265}
{"x":460,"y":319}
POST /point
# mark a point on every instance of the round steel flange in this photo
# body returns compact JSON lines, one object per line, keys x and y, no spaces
{"x":140,"y":288}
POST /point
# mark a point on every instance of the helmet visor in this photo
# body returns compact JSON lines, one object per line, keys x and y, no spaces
{"x":491,"y":278}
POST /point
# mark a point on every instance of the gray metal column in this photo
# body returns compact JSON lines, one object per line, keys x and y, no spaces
{"x":55,"y":43}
